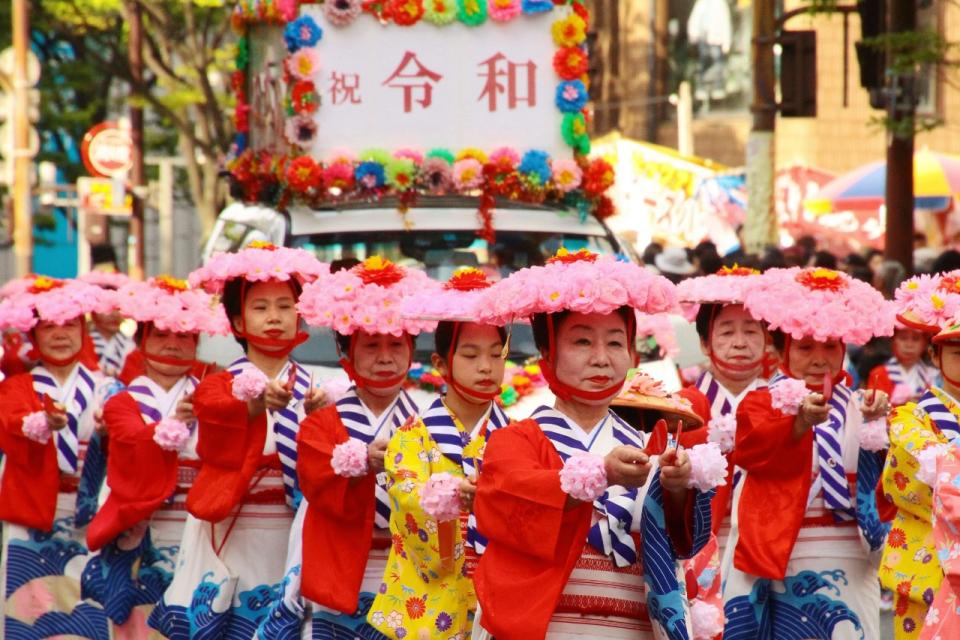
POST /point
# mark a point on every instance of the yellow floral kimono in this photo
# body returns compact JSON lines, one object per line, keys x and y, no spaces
{"x":421,"y":596}
{"x":909,"y":565}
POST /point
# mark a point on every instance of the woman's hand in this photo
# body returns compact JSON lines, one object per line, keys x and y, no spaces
{"x":675,"y":471}
{"x":627,"y":466}
{"x":468,"y":491}
{"x":57,"y":419}
{"x":184,"y":412}
{"x":875,"y":405}
{"x":376,"y":452}
{"x":276,"y":395}
{"x":813,"y":411}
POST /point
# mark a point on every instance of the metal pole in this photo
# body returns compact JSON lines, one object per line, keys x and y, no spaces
{"x":22,"y":214}
{"x":761,"y":224}
{"x":137,"y":173}
{"x":899,"y":188}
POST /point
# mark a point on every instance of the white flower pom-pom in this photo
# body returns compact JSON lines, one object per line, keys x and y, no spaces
{"x":873,"y":435}
{"x":927,"y":473}
{"x":36,"y":428}
{"x":787,"y":395}
{"x":249,"y":384}
{"x":708,"y":467}
{"x":584,"y":477}
{"x":350,"y":459}
{"x":171,"y":434}
{"x":722,"y":430}
{"x":707,"y":620}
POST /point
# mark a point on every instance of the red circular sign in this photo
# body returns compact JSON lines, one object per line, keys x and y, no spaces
{"x":107,"y":150}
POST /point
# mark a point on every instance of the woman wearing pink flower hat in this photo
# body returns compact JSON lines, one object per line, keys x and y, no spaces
{"x":46,"y":423}
{"x":111,"y":345}
{"x":243,"y":499}
{"x":432,"y":466}
{"x":801,"y":558}
{"x":918,"y":430}
{"x":584,"y":519}
{"x":152,"y":453}
{"x":340,"y":539}
{"x":735,"y":343}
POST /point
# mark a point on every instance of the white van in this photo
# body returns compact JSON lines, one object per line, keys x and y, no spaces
{"x":438,"y":235}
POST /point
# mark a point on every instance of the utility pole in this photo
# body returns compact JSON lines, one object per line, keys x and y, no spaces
{"x":22,"y":214}
{"x":137,"y":173}
{"x":901,"y":98}
{"x":760,"y":228}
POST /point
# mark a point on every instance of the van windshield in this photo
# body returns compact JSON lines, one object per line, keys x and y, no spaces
{"x":440,"y":253}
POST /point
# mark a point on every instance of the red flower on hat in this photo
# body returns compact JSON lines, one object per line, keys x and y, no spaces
{"x":170,"y":284}
{"x":821,"y":279}
{"x":565,"y":257}
{"x":737,"y":270}
{"x":262,"y":244}
{"x":467,"y":279}
{"x":42,"y":284}
{"x":378,"y":270}
{"x":950,"y":284}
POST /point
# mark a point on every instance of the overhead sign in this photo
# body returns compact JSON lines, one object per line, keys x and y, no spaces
{"x":107,"y":150}
{"x":103,"y":196}
{"x":420,"y":86}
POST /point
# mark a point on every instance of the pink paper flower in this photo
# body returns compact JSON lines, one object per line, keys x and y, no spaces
{"x":304,"y":64}
{"x":708,"y":467}
{"x":567,"y":175}
{"x":661,"y":329}
{"x":341,"y":13}
{"x":440,"y":497}
{"x":505,"y":157}
{"x":409,"y":154}
{"x":727,"y":287}
{"x":334,"y":389}
{"x":902,"y":394}
{"x":349,"y":459}
{"x":36,"y":428}
{"x":787,"y":395}
{"x":927,"y":459}
{"x":873,"y":435}
{"x":249,"y":384}
{"x":722,"y":430}
{"x":707,"y":620}
{"x":171,"y":434}
{"x":584,"y":477}
{"x":503,"y":10}
{"x":467,"y":174}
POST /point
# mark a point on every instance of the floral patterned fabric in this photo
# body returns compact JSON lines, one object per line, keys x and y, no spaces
{"x":908,"y":567}
{"x":421,"y":595}
{"x":943,"y":618}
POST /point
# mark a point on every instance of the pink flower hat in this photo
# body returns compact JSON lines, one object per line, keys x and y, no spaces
{"x":727,"y":286}
{"x":367,"y":298}
{"x":580,"y":282}
{"x":455,"y":300}
{"x":51,"y":300}
{"x":928,"y":303}
{"x":258,"y":262}
{"x":171,"y":305}
{"x":819,"y":303}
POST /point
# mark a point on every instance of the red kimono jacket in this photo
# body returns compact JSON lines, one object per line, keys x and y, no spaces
{"x":31,"y":476}
{"x":141,"y":475}
{"x":230,"y":448}
{"x":776,"y":486}
{"x":534,"y":540}
{"x":338,"y":524}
